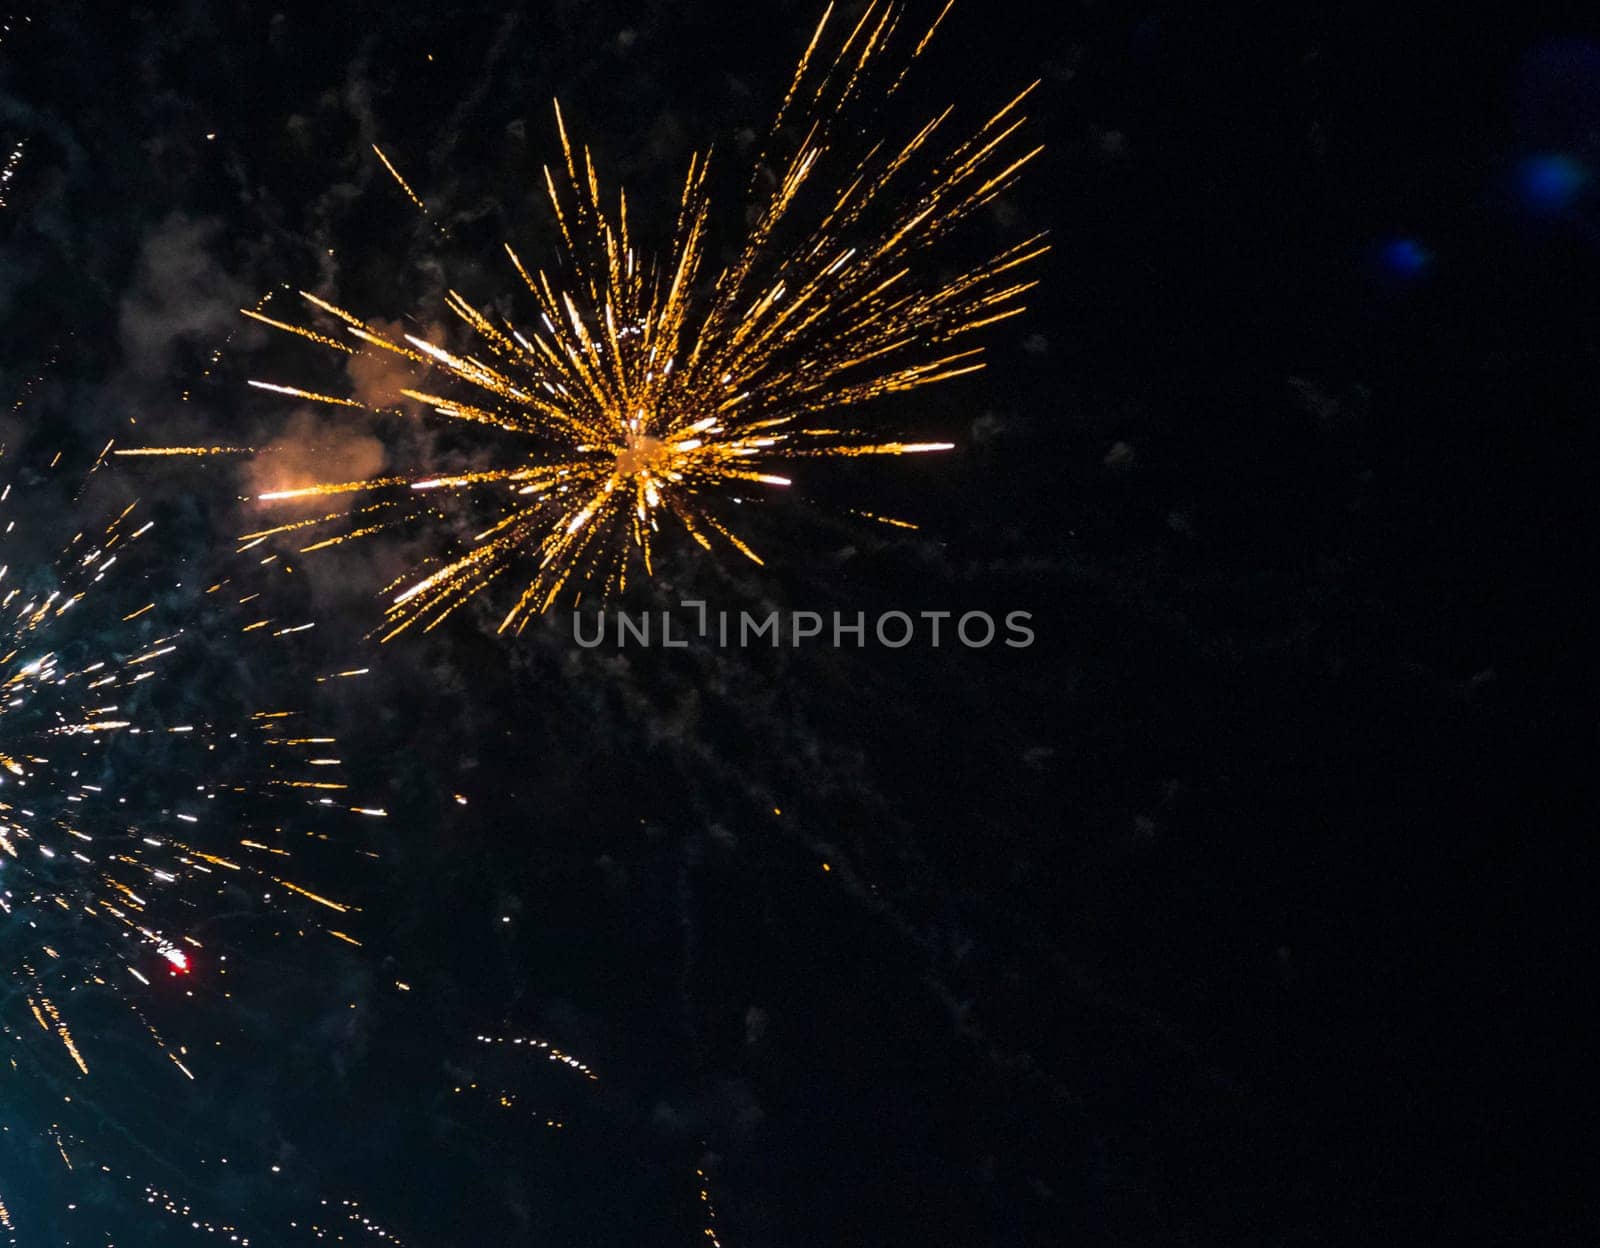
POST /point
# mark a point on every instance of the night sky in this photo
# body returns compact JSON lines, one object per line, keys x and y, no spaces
{"x":1250,"y":905}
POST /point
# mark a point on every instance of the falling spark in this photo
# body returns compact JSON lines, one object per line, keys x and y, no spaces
{"x":643,"y":397}
{"x":8,"y":171}
{"x":300,"y":1221}
{"x":498,"y":1078}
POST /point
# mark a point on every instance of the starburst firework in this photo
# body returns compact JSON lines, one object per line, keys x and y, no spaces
{"x":118,"y":820}
{"x":641,"y":393}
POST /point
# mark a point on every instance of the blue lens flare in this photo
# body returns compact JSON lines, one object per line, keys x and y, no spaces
{"x":1550,"y":183}
{"x":1403,"y":258}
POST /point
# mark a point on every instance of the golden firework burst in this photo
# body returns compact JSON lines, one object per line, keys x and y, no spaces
{"x":641,"y":395}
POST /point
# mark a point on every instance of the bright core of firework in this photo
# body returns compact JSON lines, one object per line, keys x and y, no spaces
{"x":643,"y":395}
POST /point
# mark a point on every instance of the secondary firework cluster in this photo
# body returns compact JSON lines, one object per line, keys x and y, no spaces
{"x":644,"y":389}
{"x":97,"y":881}
{"x":128,"y":827}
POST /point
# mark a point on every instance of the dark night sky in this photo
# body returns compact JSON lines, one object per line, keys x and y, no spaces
{"x":1251,"y":905}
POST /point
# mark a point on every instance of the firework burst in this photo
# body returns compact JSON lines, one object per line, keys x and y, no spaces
{"x":112,"y":811}
{"x":130,"y":835}
{"x":646,"y":394}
